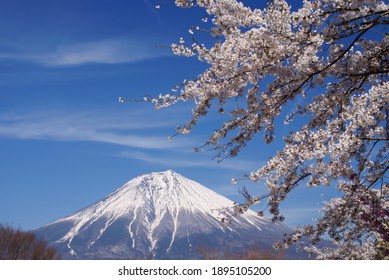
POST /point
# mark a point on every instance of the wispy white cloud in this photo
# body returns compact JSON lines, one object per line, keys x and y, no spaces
{"x":186,"y":160}
{"x":231,"y":191}
{"x":300,"y":215}
{"x":143,"y":131}
{"x":109,"y":51}
{"x":152,"y":9}
{"x":132,"y":130}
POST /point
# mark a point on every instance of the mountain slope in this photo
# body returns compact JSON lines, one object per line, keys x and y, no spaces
{"x":160,"y":215}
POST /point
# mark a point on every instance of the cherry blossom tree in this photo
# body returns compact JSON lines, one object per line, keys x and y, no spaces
{"x":327,"y":60}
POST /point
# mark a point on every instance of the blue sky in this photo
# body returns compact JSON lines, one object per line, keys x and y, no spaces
{"x":66,"y":141}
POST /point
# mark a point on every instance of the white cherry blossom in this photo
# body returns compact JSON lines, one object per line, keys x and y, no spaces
{"x":333,"y":55}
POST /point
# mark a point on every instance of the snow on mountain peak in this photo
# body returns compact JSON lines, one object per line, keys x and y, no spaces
{"x":170,"y":190}
{"x":154,"y":214}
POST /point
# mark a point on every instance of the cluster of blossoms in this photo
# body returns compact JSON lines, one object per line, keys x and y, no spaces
{"x":333,"y":56}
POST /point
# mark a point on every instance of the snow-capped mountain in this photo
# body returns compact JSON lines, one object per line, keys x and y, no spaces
{"x":160,"y":215}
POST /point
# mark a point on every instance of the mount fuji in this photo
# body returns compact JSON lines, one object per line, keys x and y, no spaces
{"x":161,"y":215}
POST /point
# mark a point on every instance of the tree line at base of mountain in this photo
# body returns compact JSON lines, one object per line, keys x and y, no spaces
{"x":16,"y":244}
